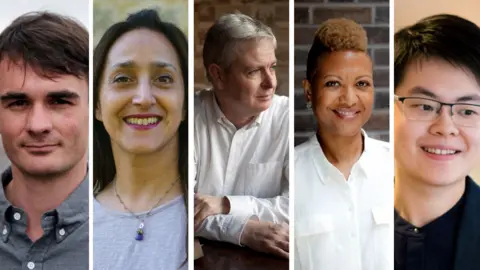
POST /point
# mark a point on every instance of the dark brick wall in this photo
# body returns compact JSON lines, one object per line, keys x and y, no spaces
{"x":273,"y":13}
{"x":374,"y":17}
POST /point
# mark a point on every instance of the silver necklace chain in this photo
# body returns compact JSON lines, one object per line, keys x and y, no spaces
{"x":143,"y":217}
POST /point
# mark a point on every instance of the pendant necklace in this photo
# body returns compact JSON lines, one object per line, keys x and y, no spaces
{"x":140,"y":230}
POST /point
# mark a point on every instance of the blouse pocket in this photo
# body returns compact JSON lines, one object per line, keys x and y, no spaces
{"x":263,"y":180}
{"x":315,"y":243}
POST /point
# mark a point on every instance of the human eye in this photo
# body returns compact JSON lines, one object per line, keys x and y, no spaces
{"x":253,"y":72}
{"x":419,"y":104}
{"x":121,"y":78}
{"x":332,"y":84}
{"x":363,"y":84}
{"x":60,"y":102}
{"x":426,"y":107}
{"x":468,"y":110}
{"x":164,"y":79}
{"x":18,"y":104}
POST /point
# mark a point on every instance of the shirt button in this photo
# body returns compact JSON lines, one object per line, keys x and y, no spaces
{"x":61,"y":232}
{"x":17,"y":216}
{"x":31,"y":265}
{"x":415,"y":230}
{"x":5,"y":231}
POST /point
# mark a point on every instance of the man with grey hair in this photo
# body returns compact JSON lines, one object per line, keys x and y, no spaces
{"x":241,"y":140}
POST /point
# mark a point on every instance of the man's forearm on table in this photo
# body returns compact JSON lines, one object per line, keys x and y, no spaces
{"x":266,"y":209}
{"x":225,"y":228}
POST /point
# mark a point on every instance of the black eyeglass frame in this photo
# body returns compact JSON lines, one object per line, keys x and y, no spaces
{"x":402,"y":100}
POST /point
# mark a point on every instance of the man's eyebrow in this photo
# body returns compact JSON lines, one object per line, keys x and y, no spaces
{"x":67,"y":94}
{"x":260,"y":65}
{"x":423,"y":91}
{"x":418,"y":90}
{"x":13,"y":96}
{"x":469,"y":98}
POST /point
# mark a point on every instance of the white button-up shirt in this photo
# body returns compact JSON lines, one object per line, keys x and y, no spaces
{"x":248,"y":165}
{"x":344,"y":224}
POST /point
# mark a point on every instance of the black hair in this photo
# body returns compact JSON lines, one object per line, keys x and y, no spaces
{"x":104,"y":166}
{"x":447,"y":37}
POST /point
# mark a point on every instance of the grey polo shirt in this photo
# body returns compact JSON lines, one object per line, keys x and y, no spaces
{"x":64,"y":244}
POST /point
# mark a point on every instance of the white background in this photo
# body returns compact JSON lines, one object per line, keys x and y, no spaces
{"x":78,"y":9}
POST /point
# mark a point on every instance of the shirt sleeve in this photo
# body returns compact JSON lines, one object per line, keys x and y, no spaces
{"x":265,"y":209}
{"x":225,"y":228}
{"x":229,"y":228}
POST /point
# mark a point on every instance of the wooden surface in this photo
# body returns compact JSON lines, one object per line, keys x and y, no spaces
{"x":225,"y":256}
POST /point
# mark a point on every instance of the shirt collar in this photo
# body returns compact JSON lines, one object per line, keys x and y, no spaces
{"x":324,"y":167}
{"x":75,"y":208}
{"x":71,"y":211}
{"x":4,"y":203}
{"x":367,"y":142}
{"x":442,"y":224}
{"x":217,"y":112}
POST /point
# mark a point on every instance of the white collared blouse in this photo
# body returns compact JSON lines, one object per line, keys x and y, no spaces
{"x":344,"y":224}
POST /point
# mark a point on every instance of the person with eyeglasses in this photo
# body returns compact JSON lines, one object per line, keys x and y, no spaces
{"x":437,"y":144}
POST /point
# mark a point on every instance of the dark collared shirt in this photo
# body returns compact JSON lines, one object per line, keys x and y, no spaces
{"x":64,"y":244}
{"x":431,"y":247}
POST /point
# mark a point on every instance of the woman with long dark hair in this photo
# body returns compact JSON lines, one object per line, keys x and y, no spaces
{"x":140,"y":145}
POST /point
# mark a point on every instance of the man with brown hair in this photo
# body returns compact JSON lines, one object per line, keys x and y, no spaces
{"x":44,"y":129}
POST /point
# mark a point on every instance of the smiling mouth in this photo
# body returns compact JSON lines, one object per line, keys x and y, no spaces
{"x":142,"y":123}
{"x":346,"y":114}
{"x":440,"y":152}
